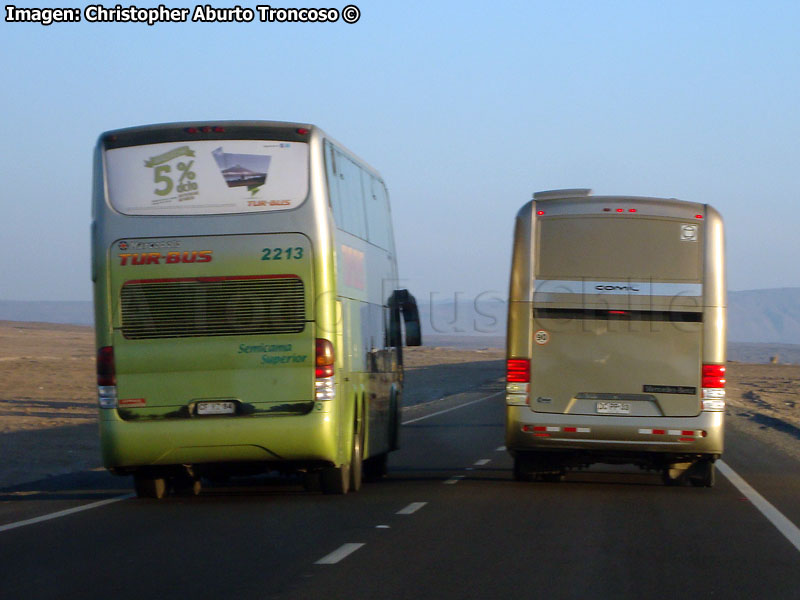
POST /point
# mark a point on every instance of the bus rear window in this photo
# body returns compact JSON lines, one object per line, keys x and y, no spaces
{"x":618,"y":249}
{"x":207,"y":177}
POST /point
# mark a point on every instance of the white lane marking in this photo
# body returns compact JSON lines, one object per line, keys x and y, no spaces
{"x":341,"y":553}
{"x":382,"y":527}
{"x":411,"y":508}
{"x":441,"y":412}
{"x":500,"y":449}
{"x":454,"y":479}
{"x":64,"y":513}
{"x":784,"y":525}
{"x":483,"y":461}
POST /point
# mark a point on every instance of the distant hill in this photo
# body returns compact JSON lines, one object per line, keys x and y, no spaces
{"x":754,"y":316}
{"x":764,"y":316}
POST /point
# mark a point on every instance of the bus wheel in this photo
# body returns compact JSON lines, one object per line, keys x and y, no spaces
{"x":702,"y":474}
{"x":522,"y":469}
{"x":376,"y":467}
{"x":187,"y":486}
{"x":674,"y":474}
{"x":150,"y":487}
{"x":356,"y":461}
{"x":335,"y":480}
{"x":312,"y":481}
{"x":554,"y":477}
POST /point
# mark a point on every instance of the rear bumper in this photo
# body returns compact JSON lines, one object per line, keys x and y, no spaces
{"x":301,"y":438}
{"x":527,"y":430}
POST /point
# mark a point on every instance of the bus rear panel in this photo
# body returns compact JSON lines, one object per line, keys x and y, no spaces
{"x":235,"y":333}
{"x":616,"y":336}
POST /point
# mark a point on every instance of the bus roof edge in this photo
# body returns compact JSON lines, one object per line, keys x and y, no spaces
{"x":556,"y":194}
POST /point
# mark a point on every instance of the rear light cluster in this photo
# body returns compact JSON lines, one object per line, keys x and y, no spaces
{"x":518,"y":370}
{"x":518,"y":377}
{"x":106,"y":378}
{"x":713,"y":387}
{"x":324,"y":388}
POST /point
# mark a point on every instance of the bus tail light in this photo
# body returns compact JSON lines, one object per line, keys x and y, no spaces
{"x":518,"y":377}
{"x":323,"y":370}
{"x":713,"y":398}
{"x":106,"y":378}
{"x":713,"y":376}
{"x":518,"y":370}
{"x":323,"y":358}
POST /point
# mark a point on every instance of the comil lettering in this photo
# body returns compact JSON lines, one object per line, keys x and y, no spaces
{"x":613,"y":288}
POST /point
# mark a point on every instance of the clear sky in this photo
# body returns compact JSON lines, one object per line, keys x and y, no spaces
{"x":465,"y":107}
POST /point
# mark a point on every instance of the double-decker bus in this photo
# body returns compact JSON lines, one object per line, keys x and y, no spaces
{"x":246,"y":310}
{"x":616,"y":336}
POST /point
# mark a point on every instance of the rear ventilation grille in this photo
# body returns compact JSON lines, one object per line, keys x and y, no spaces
{"x":211,"y":306}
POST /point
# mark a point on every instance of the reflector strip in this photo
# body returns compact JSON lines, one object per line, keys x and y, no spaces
{"x":553,"y":428}
{"x":683,"y":432}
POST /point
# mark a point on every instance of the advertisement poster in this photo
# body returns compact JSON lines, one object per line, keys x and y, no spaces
{"x":207,"y":177}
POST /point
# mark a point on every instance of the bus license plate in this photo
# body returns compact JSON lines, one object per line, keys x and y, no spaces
{"x":614,"y":408}
{"x":216,"y":408}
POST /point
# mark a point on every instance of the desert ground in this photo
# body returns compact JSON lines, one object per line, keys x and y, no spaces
{"x":48,"y":421}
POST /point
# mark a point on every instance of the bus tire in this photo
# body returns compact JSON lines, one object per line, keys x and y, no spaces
{"x":335,"y":480}
{"x":376,"y":467}
{"x":150,"y":487}
{"x":522,"y":470}
{"x":674,"y":474}
{"x":702,"y":474}
{"x":394,"y":422}
{"x":312,"y":481}
{"x":356,"y":461}
{"x":187,"y":486}
{"x":554,"y":477}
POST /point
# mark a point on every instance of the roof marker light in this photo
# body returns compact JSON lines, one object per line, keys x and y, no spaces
{"x":302,"y":130}
{"x":606,"y":210}
{"x":539,"y":212}
{"x":191,"y":130}
{"x":219,"y":129}
{"x":631,"y":210}
{"x":698,"y":216}
{"x":620,"y":210}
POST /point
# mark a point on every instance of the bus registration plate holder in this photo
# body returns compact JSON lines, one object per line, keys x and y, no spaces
{"x":216,"y":408}
{"x":614,"y":408}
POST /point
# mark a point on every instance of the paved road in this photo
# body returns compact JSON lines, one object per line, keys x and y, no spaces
{"x":448,"y":522}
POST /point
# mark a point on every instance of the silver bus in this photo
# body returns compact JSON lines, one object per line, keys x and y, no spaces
{"x":616,"y":336}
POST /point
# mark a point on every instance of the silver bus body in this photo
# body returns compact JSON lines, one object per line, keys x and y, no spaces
{"x":616,"y":336}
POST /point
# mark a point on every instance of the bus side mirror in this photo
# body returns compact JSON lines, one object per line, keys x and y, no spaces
{"x":407,"y":305}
